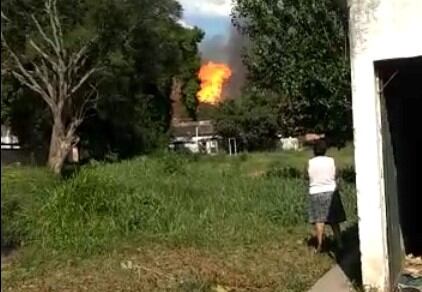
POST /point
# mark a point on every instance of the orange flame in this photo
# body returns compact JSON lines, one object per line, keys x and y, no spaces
{"x":212,"y":76}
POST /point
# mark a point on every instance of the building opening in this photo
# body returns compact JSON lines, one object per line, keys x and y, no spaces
{"x":400,"y":87}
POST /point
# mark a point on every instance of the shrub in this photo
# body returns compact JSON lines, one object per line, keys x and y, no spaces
{"x":173,"y":163}
{"x":347,"y":174}
{"x":276,"y":170}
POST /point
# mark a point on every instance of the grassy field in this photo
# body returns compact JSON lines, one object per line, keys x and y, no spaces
{"x":164,"y":223}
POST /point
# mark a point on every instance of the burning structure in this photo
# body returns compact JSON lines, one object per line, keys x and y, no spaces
{"x":212,"y":76}
{"x":200,"y":136}
{"x":195,"y":137}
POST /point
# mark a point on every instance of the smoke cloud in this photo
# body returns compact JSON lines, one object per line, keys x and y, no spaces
{"x":235,"y":47}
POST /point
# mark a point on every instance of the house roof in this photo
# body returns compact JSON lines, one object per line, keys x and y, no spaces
{"x":188,"y":129}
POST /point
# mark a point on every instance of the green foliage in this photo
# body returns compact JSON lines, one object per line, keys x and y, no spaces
{"x":252,"y":119}
{"x":141,"y":47}
{"x":281,"y":171}
{"x":299,"y":50}
{"x":189,"y":98}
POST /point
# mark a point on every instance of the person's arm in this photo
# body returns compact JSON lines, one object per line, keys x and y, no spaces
{"x":305,"y":172}
{"x":336,"y":175}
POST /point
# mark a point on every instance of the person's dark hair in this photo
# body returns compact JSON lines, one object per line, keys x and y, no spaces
{"x":320,"y":148}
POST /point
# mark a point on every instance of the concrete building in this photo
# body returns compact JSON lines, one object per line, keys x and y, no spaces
{"x":386,"y":58}
{"x":194,"y":136}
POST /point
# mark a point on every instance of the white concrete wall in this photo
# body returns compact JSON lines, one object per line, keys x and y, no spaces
{"x":379,"y":29}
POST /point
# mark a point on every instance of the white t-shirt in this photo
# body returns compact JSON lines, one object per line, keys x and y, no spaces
{"x":322,"y":175}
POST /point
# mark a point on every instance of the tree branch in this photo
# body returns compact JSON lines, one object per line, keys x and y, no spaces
{"x":80,"y":115}
{"x":56,"y":76}
{"x":88,"y":100}
{"x":43,"y":54}
{"x":44,"y":36}
{"x":83,"y":80}
{"x":4,"y":16}
{"x":59,"y":31}
{"x":25,"y":77}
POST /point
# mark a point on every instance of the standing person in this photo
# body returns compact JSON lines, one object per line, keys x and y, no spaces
{"x":325,"y":206}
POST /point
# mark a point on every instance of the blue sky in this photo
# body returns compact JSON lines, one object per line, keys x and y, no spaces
{"x":212,"y":16}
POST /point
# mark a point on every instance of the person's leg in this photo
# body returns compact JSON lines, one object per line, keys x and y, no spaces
{"x":319,"y":233}
{"x":337,"y":234}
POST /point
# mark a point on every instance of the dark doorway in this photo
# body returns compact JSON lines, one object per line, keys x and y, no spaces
{"x":401,"y":86}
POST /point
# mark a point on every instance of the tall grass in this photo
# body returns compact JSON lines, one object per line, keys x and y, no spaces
{"x":213,"y":202}
{"x":23,"y":191}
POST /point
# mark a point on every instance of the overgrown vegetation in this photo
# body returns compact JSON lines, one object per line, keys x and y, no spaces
{"x":22,"y":190}
{"x":207,"y":203}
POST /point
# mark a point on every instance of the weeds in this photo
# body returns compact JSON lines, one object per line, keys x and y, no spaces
{"x":172,"y":208}
{"x":22,"y":189}
{"x":172,"y":197}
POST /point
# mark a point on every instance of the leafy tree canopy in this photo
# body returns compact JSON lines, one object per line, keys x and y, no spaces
{"x":299,"y":50}
{"x":141,"y":47}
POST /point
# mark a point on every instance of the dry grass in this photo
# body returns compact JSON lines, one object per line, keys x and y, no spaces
{"x":284,"y":265}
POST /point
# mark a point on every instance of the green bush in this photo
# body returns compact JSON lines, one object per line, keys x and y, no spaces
{"x":285,"y":172}
{"x":173,"y":163}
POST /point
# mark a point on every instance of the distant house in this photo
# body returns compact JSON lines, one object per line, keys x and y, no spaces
{"x":11,"y":150}
{"x":8,"y":140}
{"x":194,"y":137}
{"x":14,"y":152}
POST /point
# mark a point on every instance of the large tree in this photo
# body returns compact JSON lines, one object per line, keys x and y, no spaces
{"x":60,"y":77}
{"x":299,"y":50}
{"x":142,"y":50}
{"x":157,"y":61}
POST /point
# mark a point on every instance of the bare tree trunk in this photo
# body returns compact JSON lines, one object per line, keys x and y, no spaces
{"x":176,"y":99}
{"x":61,"y":79}
{"x":59,"y":148}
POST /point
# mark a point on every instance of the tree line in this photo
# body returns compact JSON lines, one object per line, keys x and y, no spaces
{"x":102,"y":73}
{"x":95,"y":72}
{"x":298,"y":67}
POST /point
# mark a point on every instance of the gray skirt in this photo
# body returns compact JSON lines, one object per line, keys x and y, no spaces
{"x":326,"y":208}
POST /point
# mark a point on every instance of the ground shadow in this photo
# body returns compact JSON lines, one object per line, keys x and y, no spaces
{"x":70,"y":169}
{"x":7,"y":253}
{"x":348,"y":258}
